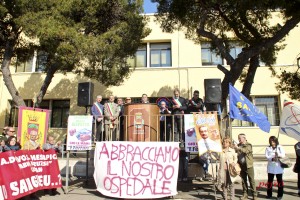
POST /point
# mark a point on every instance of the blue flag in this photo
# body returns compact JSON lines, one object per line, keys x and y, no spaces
{"x":241,"y":108}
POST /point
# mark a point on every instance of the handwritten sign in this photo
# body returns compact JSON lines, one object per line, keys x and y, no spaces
{"x":26,"y":171}
{"x":79,"y":132}
{"x":136,"y":170}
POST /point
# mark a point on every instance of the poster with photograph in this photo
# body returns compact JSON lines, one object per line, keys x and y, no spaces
{"x":79,"y":132}
{"x":207,"y":132}
{"x":190,"y":134}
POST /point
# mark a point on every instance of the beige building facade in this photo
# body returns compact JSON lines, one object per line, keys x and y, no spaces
{"x":165,"y":61}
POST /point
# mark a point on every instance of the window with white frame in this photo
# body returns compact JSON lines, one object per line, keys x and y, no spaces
{"x":140,"y":58}
{"x":160,"y":55}
{"x":152,"y":55}
{"x":209,"y":56}
{"x":266,"y":104}
{"x":25,"y":66}
{"x":36,"y":63}
{"x":269,"y":106}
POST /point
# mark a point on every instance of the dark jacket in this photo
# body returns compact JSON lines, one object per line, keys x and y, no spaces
{"x":183,"y":107}
{"x":192,"y":103}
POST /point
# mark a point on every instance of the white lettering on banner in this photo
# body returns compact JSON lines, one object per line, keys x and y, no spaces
{"x":13,"y":159}
{"x":136,"y":169}
{"x":44,"y":157}
{"x":25,"y":185}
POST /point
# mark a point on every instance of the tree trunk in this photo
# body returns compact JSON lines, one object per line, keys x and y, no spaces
{"x":232,"y":76}
{"x":8,"y":54}
{"x":50,"y":74}
{"x":254,"y":63}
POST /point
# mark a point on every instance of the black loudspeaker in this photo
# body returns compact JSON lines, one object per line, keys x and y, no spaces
{"x":85,"y":94}
{"x":213,"y":90}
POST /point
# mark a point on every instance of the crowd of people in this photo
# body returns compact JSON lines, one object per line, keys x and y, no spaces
{"x":238,"y":156}
{"x":172,"y":111}
{"x":108,"y":117}
{"x":9,"y":142}
{"x":241,"y":154}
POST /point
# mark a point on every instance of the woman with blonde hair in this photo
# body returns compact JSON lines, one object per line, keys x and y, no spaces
{"x":227,"y":157}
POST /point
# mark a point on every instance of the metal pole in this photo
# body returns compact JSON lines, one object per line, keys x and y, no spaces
{"x":229,"y":119}
{"x":87,"y":167}
{"x":67,"y":172}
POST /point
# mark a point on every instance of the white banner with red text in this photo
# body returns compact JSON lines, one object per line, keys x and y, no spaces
{"x":136,"y":170}
{"x":26,"y":171}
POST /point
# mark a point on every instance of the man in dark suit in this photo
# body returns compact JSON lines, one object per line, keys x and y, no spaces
{"x":121,"y":117}
{"x":178,"y":109}
{"x":97,"y":112}
{"x":195,"y":104}
{"x":165,"y":122}
{"x":144,"y":98}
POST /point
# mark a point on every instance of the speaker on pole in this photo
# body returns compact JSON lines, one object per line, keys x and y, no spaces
{"x":85,"y":94}
{"x":213,"y":90}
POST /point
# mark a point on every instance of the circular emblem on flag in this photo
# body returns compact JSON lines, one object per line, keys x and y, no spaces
{"x":161,"y":99}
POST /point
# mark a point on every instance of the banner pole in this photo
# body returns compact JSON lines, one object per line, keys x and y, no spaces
{"x":67,"y":172}
{"x":87,"y":167}
{"x":229,"y":119}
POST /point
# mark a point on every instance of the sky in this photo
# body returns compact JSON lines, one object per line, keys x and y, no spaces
{"x":149,"y":7}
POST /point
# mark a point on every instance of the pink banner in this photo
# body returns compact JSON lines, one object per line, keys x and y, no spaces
{"x":26,"y":171}
{"x":136,"y":170}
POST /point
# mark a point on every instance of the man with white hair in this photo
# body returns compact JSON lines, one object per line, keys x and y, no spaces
{"x":97,"y":112}
{"x":111,"y":114}
{"x":32,"y":143}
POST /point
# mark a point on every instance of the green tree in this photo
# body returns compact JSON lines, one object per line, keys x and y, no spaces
{"x":94,"y":37}
{"x":290,"y":83}
{"x":249,"y":23}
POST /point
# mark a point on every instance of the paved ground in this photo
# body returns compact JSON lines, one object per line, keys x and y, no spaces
{"x":190,"y":190}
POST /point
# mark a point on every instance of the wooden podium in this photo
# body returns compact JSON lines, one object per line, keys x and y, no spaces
{"x":141,"y":122}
